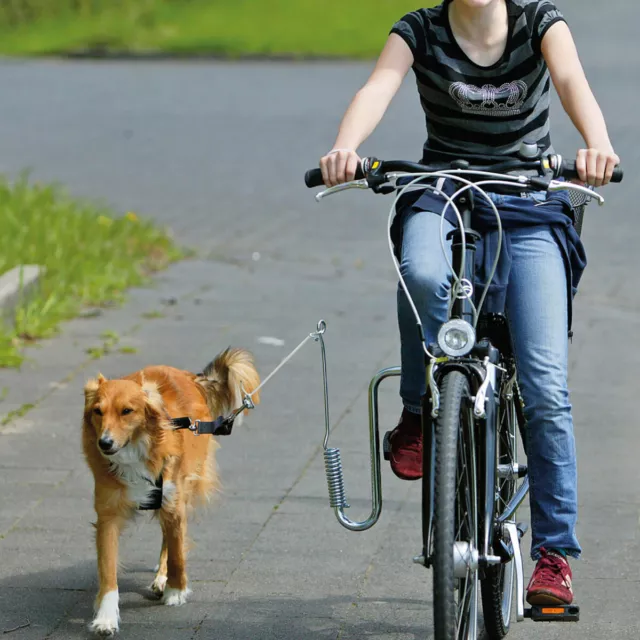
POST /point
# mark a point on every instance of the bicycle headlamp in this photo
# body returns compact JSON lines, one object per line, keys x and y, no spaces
{"x":456,"y":337}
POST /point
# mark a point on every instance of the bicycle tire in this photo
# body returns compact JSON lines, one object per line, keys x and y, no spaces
{"x":498,"y":583}
{"x":455,"y":599}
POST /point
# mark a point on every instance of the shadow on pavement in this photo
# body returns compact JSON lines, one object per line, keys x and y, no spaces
{"x":55,"y":609}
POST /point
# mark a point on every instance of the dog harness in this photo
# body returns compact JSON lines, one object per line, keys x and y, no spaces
{"x":219,"y":427}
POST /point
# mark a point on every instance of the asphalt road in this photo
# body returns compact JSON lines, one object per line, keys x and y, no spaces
{"x":217,"y":152}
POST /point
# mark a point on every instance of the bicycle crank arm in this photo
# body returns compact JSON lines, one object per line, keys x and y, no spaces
{"x":511,"y":529}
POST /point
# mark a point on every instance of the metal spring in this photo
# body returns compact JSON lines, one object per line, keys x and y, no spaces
{"x":335,"y":478}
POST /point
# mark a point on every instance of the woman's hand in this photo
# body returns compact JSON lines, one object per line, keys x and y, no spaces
{"x":338,"y":166}
{"x":595,"y":166}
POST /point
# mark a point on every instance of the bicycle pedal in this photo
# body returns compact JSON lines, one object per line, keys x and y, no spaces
{"x":386,"y":446}
{"x":553,"y":613}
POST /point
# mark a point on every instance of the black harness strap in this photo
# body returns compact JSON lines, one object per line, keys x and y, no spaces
{"x":220,"y":427}
{"x":154,"y":499}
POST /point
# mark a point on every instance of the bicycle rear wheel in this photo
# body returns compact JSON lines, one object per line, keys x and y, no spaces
{"x":455,"y":527}
{"x":498,"y":583}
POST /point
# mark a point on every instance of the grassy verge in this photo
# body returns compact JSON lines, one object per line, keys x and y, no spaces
{"x":91,"y":257}
{"x":357,"y":28}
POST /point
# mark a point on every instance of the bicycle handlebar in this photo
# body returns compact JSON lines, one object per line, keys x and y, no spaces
{"x":553,"y":165}
{"x":313,"y":177}
{"x":568,"y":170}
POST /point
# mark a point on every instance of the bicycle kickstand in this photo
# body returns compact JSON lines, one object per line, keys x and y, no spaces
{"x":537,"y":613}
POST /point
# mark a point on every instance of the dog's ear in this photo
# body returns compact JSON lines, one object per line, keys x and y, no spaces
{"x":154,"y":404}
{"x":154,"y":399}
{"x":91,"y":390}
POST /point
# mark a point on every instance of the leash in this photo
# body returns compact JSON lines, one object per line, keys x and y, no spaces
{"x":223,"y":426}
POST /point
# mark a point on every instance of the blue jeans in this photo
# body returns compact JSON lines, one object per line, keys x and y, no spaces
{"x":536,"y":309}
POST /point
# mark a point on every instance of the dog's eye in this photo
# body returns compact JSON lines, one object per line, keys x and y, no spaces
{"x":126,"y":411}
{"x":97,"y":411}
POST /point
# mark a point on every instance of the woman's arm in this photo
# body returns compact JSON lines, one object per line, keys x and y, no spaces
{"x":366,"y":110}
{"x":595,"y":164}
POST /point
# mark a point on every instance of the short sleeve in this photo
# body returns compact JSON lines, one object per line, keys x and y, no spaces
{"x":411,"y":29}
{"x":547,"y":14}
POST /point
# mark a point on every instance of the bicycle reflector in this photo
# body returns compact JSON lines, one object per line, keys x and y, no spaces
{"x":456,"y":337}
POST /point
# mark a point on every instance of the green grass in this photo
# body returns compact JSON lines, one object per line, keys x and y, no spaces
{"x":127,"y":350}
{"x":91,"y":256}
{"x":355,"y":28}
{"x":151,"y":315}
{"x":16,"y":413}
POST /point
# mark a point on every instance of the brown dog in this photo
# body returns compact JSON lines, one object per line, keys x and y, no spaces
{"x":134,"y":453}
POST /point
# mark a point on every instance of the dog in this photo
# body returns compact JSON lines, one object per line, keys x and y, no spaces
{"x":135,"y":452}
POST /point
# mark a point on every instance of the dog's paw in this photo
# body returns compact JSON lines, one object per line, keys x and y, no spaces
{"x":104,"y":627}
{"x":107,"y":615}
{"x":175,"y":597}
{"x":157,"y":586}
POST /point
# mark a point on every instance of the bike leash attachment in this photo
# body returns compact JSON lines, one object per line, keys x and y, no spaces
{"x":332,"y":460}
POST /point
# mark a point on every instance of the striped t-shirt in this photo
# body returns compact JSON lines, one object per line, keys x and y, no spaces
{"x":477,"y":112}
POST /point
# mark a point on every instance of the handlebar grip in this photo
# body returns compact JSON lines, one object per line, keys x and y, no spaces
{"x":313,"y":177}
{"x":568,"y":170}
{"x":617,"y":175}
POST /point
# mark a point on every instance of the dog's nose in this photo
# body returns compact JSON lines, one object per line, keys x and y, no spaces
{"x":105,"y":443}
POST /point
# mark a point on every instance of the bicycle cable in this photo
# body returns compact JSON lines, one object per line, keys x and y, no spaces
{"x":457,"y":285}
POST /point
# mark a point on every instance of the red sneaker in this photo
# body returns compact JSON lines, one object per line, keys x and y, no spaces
{"x":405,"y":444}
{"x":551,"y":580}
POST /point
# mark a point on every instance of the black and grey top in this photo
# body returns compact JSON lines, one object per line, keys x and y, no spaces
{"x":481,"y":112}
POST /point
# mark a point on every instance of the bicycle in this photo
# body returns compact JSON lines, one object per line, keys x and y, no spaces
{"x":472,"y":412}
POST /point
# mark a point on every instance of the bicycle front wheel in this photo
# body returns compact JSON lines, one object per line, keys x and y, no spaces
{"x":455,"y":527}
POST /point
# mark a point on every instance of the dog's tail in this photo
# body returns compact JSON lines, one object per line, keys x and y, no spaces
{"x":226,"y":379}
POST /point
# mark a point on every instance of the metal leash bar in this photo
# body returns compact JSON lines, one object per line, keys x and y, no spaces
{"x":333,"y":461}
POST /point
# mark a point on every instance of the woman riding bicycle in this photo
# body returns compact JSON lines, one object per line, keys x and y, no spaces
{"x":483,"y":71}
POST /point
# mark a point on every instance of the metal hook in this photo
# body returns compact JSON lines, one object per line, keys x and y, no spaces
{"x":321,"y":327}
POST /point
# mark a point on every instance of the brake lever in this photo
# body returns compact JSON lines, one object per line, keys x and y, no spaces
{"x":380,"y":183}
{"x":559,"y":185}
{"x":354,"y":184}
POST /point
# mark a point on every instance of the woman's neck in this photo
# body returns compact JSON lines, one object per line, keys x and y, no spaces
{"x":481,"y":29}
{"x":479,"y":22}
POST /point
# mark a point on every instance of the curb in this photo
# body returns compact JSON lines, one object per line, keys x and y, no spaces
{"x":16,"y":285}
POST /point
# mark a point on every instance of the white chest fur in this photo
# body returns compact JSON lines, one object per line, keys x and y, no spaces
{"x":129,"y":466}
